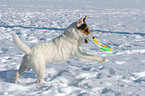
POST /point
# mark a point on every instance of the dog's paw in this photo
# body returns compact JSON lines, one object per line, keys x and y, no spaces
{"x":102,"y":60}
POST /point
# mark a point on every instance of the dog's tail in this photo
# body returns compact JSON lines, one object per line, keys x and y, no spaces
{"x":21,"y":45}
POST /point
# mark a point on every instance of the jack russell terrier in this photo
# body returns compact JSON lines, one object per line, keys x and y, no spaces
{"x":62,"y":48}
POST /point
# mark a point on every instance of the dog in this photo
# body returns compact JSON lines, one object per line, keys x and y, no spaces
{"x":62,"y":48}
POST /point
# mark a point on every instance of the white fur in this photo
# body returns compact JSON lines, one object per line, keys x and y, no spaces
{"x":21,"y":45}
{"x":59,"y":49}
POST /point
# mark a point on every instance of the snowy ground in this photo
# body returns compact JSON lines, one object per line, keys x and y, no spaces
{"x":119,"y":23}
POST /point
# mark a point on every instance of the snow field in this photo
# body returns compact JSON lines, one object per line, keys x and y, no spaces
{"x":119,"y":24}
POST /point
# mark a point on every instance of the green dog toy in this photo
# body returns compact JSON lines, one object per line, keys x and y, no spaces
{"x":103,"y":47}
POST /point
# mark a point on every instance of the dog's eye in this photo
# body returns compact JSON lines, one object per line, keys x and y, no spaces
{"x":87,"y":30}
{"x":83,"y":26}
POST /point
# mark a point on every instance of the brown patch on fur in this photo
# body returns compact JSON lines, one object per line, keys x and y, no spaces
{"x":86,"y":30}
{"x":83,"y":27}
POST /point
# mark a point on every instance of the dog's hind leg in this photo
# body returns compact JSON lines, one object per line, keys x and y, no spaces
{"x":41,"y":73}
{"x":39,"y":68}
{"x":22,"y":68}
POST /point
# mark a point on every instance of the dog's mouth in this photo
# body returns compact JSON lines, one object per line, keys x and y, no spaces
{"x":86,"y":41}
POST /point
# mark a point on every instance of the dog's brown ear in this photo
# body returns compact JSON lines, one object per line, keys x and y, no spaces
{"x":80,"y":22}
{"x":85,"y":18}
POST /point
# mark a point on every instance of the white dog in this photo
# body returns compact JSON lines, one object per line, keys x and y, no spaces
{"x":59,"y":49}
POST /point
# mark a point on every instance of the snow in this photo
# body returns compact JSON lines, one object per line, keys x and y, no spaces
{"x":118,"y":23}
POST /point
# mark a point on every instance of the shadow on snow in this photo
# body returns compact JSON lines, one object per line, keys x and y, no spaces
{"x":62,"y":29}
{"x":8,"y":75}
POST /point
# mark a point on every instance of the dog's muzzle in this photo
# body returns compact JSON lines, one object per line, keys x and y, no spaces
{"x":90,"y":36}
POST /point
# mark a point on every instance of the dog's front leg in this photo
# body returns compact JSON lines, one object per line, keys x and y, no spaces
{"x":82,"y":55}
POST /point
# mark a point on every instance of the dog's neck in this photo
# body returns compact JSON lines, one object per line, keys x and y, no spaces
{"x":71,"y":32}
{"x":70,"y":35}
{"x":71,"y":40}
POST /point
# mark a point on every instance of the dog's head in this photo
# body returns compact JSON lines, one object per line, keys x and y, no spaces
{"x":79,"y":30}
